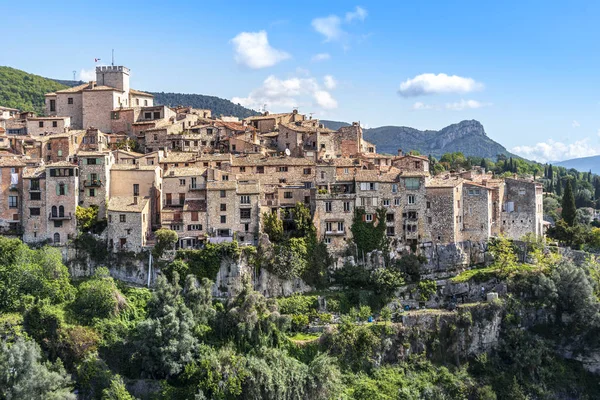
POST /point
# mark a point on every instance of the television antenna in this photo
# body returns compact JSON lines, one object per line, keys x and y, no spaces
{"x":74,"y":72}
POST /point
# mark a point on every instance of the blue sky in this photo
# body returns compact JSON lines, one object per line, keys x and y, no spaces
{"x":528,"y":70}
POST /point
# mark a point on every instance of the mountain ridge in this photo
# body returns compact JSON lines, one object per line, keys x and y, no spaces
{"x":583,"y":164}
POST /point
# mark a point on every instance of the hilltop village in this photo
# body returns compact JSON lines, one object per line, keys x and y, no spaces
{"x":212,"y":179}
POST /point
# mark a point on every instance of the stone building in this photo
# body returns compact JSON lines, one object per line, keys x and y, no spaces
{"x":39,"y":126}
{"x":94,"y":168}
{"x":35,"y":219}
{"x":11,"y":195}
{"x":522,"y":209}
{"x":62,"y":198}
{"x":129,"y":226}
{"x":138,"y":181}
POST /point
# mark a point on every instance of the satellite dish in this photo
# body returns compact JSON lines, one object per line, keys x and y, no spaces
{"x":287,"y":152}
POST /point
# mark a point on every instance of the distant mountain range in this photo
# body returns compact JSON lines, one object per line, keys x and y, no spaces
{"x":583,"y":164}
{"x":468,"y":137}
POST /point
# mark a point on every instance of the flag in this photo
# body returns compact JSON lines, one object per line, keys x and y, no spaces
{"x":96,"y":59}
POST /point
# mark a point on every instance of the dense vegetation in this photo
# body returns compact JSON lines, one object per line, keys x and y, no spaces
{"x":24,"y":91}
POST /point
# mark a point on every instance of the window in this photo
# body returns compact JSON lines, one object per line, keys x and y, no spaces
{"x":55,"y":124}
{"x":156,"y":114}
{"x":307,"y":171}
{"x":62,"y":189}
{"x":328,"y":226}
{"x":91,"y":161}
{"x":222,"y":194}
{"x":41,"y":124}
{"x":145,"y":102}
{"x":322,"y":174}
{"x":307,"y":185}
{"x":287,"y":195}
{"x":182,"y":182}
{"x":181,"y":199}
{"x":429,"y":220}
{"x":390,"y":231}
{"x":389,"y":217}
{"x":328,"y":206}
{"x":52,"y":105}
{"x":59,"y":153}
{"x":521,"y":192}
{"x":148,"y":115}
{"x":347,"y":206}
{"x":195,"y":227}
{"x":428,"y":205}
{"x":246,"y":227}
{"x":397,"y":201}
{"x":223,"y":219}
{"x":412,"y":183}
{"x":369,"y":186}
{"x":282,"y":169}
{"x":57,"y":238}
{"x":223,"y":207}
{"x":369,"y":217}
{"x":122,"y":218}
{"x":245,"y":213}
{"x":225,"y":177}
{"x":386,"y":202}
{"x":394,"y":188}
{"x":245,"y":199}
{"x":340,"y":226}
{"x":346,"y":171}
{"x":327,"y":240}
{"x":411,"y":199}
{"x":260,"y":169}
{"x":35,"y":196}
{"x":92,"y":192}
{"x":34,"y":212}
{"x":58,"y":224}
{"x":136,"y":189}
{"x":34,"y":184}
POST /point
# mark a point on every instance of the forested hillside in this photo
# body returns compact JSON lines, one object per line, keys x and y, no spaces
{"x":217,"y":105}
{"x":24,"y":91}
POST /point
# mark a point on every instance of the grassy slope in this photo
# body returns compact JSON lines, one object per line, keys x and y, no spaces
{"x":24,"y":91}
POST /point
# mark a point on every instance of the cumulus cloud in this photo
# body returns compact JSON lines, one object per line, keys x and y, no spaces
{"x":426,"y":84}
{"x":465,"y":105}
{"x":359,"y":13}
{"x":287,"y":93}
{"x":330,"y":82}
{"x":252,"y":49}
{"x":331,"y":26}
{"x":87,"y":75}
{"x":557,"y":151}
{"x":320,"y":57}
{"x":575,"y":124}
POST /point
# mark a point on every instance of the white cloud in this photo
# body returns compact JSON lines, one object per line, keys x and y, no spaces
{"x":358,"y":13}
{"x":278,"y":93}
{"x":324,"y":99}
{"x":557,"y":151}
{"x":426,"y":84}
{"x":330,"y":82}
{"x":575,"y":124}
{"x":330,"y":27}
{"x":320,"y":57}
{"x":421,"y":106}
{"x":253,"y":50}
{"x":466,"y":104}
{"x":87,"y":75}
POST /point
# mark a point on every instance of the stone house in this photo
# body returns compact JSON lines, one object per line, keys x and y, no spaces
{"x":62,"y":198}
{"x":268,"y":122}
{"x":11,"y":195}
{"x":444,"y":209}
{"x":129,"y":226}
{"x":39,"y":126}
{"x":477,"y":212}
{"x":35,"y":220}
{"x":522,"y":209}
{"x":94,"y":168}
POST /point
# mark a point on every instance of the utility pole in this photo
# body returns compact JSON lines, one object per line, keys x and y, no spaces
{"x":74,"y":72}
{"x":113,"y":57}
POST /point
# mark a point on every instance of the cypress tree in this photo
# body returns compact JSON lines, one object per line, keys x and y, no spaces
{"x":550,"y":172}
{"x":569,"y":211}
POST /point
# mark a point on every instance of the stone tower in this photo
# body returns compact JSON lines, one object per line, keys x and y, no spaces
{"x":113,"y":76}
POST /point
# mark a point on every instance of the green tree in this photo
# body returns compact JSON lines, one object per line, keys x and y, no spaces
{"x":116,"y":390}
{"x":86,"y":217}
{"x":164,"y":341}
{"x":23,"y":374}
{"x":369,"y":236}
{"x":569,"y":211}
{"x":99,"y":297}
{"x":273,"y":227}
{"x":505,"y":258}
{"x":165,"y":239}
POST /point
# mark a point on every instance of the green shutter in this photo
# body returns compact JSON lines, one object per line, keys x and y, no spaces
{"x":66,"y":189}
{"x":57,"y":189}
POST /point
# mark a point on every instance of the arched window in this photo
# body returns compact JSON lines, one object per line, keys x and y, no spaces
{"x":57,"y":238}
{"x":61,"y":211}
{"x":54,"y":213}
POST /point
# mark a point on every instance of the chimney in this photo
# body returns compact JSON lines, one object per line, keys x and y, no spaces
{"x":135,"y":200}
{"x":166,"y":151}
{"x":399,"y":152}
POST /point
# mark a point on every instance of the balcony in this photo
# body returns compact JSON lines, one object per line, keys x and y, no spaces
{"x":198,"y":186}
{"x":13,"y":188}
{"x":35,"y":189}
{"x":335,"y":233}
{"x":92,"y":183}
{"x":269,"y":202}
{"x":59,"y":217}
